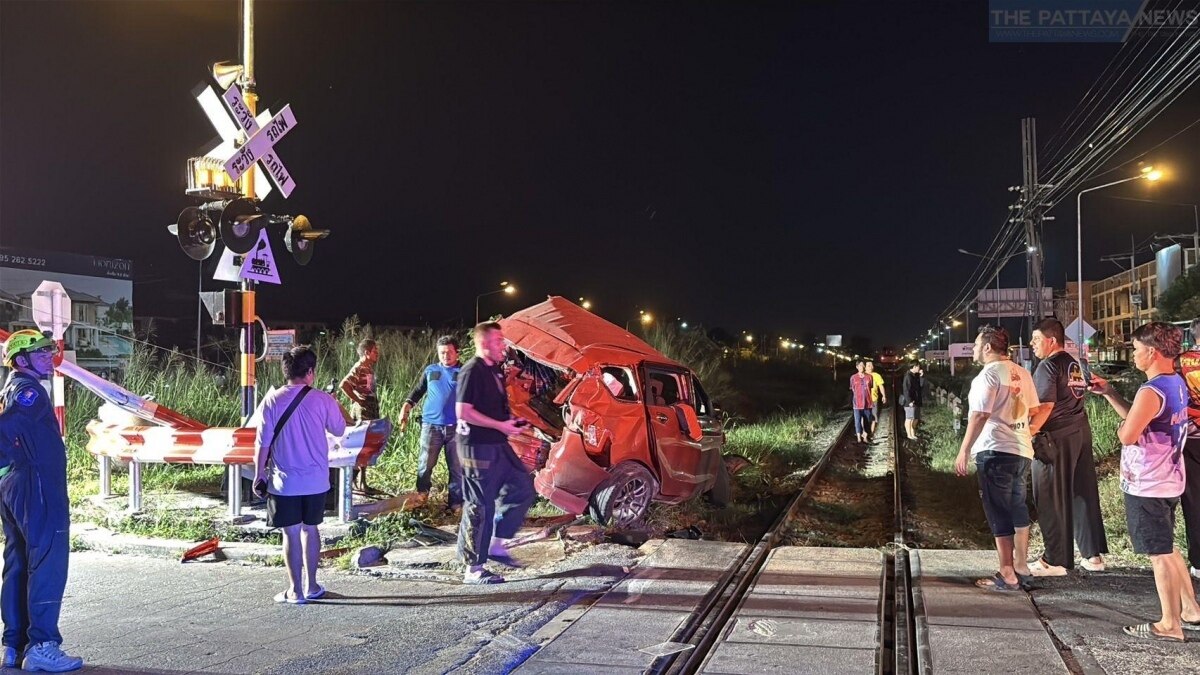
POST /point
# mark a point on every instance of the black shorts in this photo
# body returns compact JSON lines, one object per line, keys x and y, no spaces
{"x":286,"y":511}
{"x":1151,"y":522}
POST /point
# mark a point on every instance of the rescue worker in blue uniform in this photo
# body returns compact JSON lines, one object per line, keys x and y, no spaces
{"x":33,"y":509}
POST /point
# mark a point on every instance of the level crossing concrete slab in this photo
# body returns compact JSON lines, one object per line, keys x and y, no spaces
{"x":811,"y":610}
{"x":1086,"y":612}
{"x":640,"y":612}
{"x":972,"y":630}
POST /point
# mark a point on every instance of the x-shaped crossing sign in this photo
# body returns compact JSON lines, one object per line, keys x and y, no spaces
{"x":262,"y":134}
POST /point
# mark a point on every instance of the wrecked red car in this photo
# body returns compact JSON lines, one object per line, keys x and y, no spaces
{"x":615,"y":424}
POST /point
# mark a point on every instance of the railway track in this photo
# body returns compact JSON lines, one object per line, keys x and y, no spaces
{"x":902,"y":637}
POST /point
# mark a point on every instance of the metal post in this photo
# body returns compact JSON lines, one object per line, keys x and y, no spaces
{"x":105,"y":476}
{"x":248,"y":349}
{"x":345,"y":494}
{"x":135,"y":486}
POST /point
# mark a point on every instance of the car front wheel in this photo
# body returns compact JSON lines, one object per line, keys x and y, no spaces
{"x":621,"y":499}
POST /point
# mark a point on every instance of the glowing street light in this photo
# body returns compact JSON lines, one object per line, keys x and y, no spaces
{"x":1147,"y":173}
{"x":505,"y":288}
{"x":586,"y":304}
{"x":646,"y":317}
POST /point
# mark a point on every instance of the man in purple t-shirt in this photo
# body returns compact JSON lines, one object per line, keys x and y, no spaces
{"x":1152,"y":474}
{"x":292,"y":468}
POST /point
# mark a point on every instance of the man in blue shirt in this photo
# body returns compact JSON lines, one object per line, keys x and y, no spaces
{"x":438,"y":384}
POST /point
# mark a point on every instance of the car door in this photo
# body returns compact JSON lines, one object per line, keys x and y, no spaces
{"x":680,"y":459}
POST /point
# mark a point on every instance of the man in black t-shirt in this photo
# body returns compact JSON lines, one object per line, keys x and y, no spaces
{"x":497,"y":488}
{"x":1064,"y":483}
{"x":911,"y":396}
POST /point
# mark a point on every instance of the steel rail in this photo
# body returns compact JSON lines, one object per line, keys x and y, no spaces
{"x":703,"y":628}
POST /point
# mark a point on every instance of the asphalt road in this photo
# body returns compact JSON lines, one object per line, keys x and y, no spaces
{"x":129,"y":614}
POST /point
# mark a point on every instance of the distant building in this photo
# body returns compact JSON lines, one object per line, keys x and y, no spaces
{"x":1117,"y":305}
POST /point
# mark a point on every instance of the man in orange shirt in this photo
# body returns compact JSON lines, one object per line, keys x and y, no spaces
{"x":1189,"y":367}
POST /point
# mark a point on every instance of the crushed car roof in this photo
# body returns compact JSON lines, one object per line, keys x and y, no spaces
{"x":560,"y":333}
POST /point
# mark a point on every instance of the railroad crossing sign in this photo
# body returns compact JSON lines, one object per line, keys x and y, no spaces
{"x":259,"y":264}
{"x":262,"y":134}
{"x":52,"y":308}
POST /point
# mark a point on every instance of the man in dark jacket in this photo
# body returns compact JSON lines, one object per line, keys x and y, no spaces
{"x":34,"y":510}
{"x":910,"y":398}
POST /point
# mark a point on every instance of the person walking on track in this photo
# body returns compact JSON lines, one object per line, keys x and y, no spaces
{"x":878,"y":394}
{"x":860,"y":389}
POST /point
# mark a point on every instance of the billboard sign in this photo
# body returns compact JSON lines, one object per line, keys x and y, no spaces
{"x":962,"y":350}
{"x":1012,"y":302}
{"x":1169,"y":262}
{"x":101,"y":302}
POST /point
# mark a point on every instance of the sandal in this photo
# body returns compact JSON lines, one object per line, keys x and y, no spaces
{"x":1039,"y":568}
{"x":285,"y":597}
{"x":1146,"y":632}
{"x":316,"y":593}
{"x":1190,"y":625}
{"x":997,"y":583}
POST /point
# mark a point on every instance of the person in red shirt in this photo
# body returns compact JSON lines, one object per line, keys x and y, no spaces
{"x":860,"y":386}
{"x":1189,"y":368}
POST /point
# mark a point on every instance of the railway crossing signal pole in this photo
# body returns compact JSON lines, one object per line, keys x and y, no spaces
{"x":226,"y":179}
{"x":248,"y":350}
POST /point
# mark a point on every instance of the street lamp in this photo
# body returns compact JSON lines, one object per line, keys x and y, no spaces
{"x":1147,"y":173}
{"x":505,"y":288}
{"x":586,"y":304}
{"x":646,"y":317}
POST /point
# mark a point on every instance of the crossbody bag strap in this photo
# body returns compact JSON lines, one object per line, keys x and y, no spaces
{"x":284,"y":418}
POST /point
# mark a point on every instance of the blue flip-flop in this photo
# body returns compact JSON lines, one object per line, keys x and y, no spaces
{"x":997,"y":583}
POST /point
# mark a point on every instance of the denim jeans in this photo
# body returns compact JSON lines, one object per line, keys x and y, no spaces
{"x":435,"y":437}
{"x":862,"y":420}
{"x":1002,"y":484}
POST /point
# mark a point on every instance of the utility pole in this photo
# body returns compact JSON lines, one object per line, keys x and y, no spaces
{"x":1032,"y":216}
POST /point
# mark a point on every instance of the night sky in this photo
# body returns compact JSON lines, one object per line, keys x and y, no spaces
{"x":777,"y":168}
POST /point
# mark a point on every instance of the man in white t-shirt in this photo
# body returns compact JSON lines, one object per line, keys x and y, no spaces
{"x":1001,"y":402}
{"x":292,"y":468}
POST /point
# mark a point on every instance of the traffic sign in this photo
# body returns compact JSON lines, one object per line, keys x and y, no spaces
{"x":237,"y":107}
{"x":229,"y":268}
{"x":259,"y":264}
{"x":279,"y":342}
{"x":260,"y":147}
{"x":52,"y":308}
{"x":220,"y":118}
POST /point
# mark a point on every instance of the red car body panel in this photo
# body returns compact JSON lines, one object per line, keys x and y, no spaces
{"x":587,"y":427}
